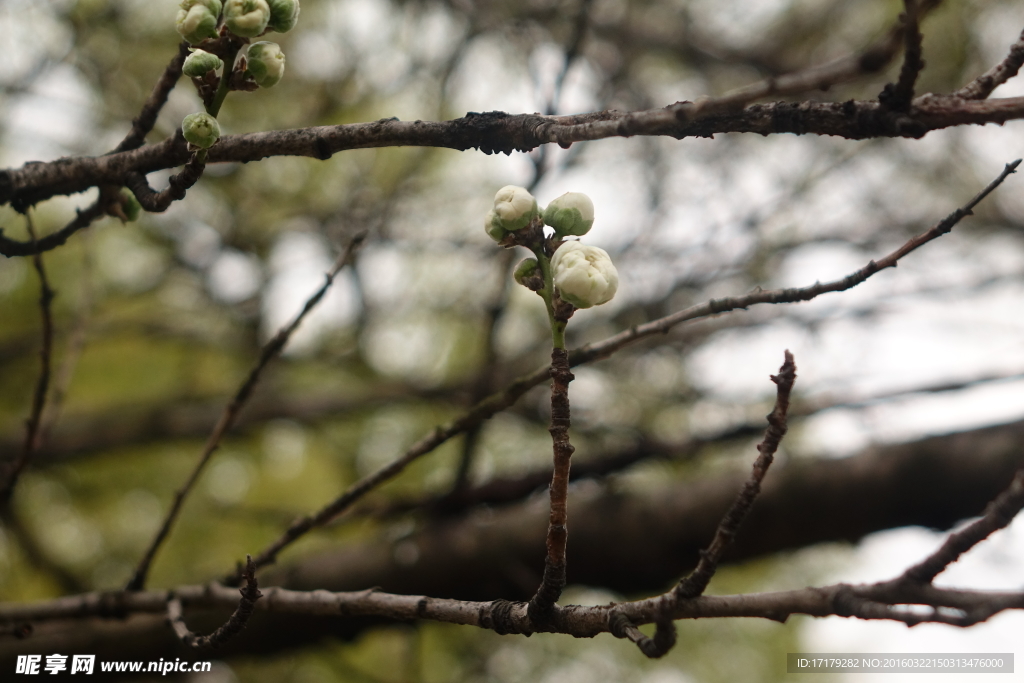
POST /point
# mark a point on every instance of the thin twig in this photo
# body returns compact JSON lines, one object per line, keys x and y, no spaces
{"x":509,"y":395}
{"x":982,"y":86}
{"x":144,"y":122}
{"x":73,"y":352}
{"x":697,"y":581}
{"x":235,"y":623}
{"x":898,"y":96}
{"x":554,"y":577}
{"x":157,"y":202}
{"x":83,"y":219}
{"x":270,"y":351}
{"x":32,"y":425}
{"x":998,"y":515}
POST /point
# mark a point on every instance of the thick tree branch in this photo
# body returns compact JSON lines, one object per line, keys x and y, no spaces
{"x":656,"y":534}
{"x":494,"y":132}
{"x":582,"y":622}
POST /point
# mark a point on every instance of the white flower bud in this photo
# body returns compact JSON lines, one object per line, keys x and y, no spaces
{"x":514,"y":208}
{"x":570,"y":214}
{"x":197,"y":20}
{"x":201,"y":129}
{"x":283,"y":15}
{"x":246,"y":18}
{"x":200,"y":62}
{"x":265,"y":63}
{"x":584,"y":275}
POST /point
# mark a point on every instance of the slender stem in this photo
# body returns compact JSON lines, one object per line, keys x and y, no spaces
{"x":542,"y":604}
{"x":225,"y":81}
{"x":548,"y":294}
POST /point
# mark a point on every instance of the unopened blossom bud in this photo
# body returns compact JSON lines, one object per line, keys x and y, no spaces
{"x":514,"y":208}
{"x":529,"y":275}
{"x":197,"y":20}
{"x":265,"y":63}
{"x":246,"y":18}
{"x":570,"y":214}
{"x":201,"y":129}
{"x":584,"y":275}
{"x":283,"y":15}
{"x":492,"y":225}
{"x":200,"y":62}
{"x":130,"y":206}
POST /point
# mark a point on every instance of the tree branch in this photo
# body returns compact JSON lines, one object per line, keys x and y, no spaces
{"x":804,"y":502}
{"x":697,"y":581}
{"x":234,"y":625}
{"x":558,"y":534}
{"x":494,"y":132}
{"x":270,"y":351}
{"x":32,"y":425}
{"x":982,"y":86}
{"x":898,"y":96}
{"x":505,"y":398}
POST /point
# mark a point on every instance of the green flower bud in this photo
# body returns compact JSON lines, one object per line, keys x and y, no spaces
{"x":201,"y":62}
{"x":130,"y":206}
{"x":584,"y":275}
{"x":283,"y":15}
{"x":265,"y":63}
{"x":246,"y":18}
{"x":570,"y":214}
{"x":201,"y":129}
{"x":197,"y":20}
{"x":493,"y":226}
{"x":529,"y":275}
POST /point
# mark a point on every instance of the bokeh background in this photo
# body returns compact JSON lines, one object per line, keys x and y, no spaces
{"x":158,"y":321}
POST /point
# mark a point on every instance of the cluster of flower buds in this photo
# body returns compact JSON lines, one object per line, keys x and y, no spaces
{"x":583,"y":275}
{"x":197,"y":19}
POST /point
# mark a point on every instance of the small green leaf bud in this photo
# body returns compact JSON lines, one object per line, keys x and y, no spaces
{"x":246,"y":18}
{"x":130,"y":206}
{"x":201,"y":62}
{"x":283,"y":15}
{"x":265,"y":63}
{"x":201,"y":129}
{"x":197,"y":20}
{"x":529,"y":275}
{"x":570,"y":214}
{"x":584,"y":275}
